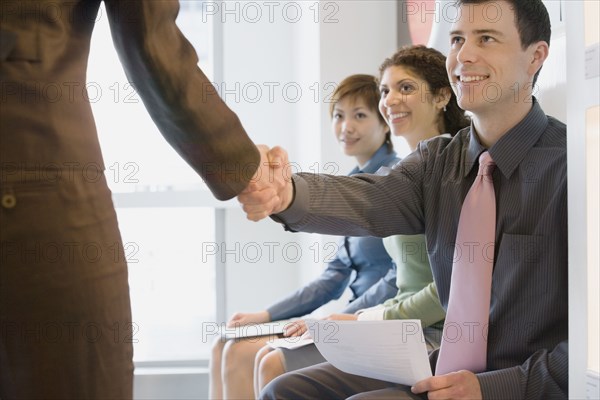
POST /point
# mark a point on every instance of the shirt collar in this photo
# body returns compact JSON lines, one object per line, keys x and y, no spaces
{"x":513,"y":146}
{"x":381,"y":158}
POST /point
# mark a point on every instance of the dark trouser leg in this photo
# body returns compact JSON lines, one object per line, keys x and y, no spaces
{"x":322,"y":381}
{"x":395,"y":393}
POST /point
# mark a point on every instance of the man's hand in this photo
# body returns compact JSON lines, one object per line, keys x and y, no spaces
{"x":455,"y":385}
{"x":239,"y":319}
{"x":270,"y":190}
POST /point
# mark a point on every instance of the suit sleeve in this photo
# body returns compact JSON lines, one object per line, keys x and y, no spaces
{"x":543,"y":376}
{"x":163,"y":67}
{"x":382,"y":204}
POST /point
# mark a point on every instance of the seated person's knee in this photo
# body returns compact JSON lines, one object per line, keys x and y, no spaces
{"x":270,"y":367}
{"x":217,"y":347}
{"x":260,"y":354}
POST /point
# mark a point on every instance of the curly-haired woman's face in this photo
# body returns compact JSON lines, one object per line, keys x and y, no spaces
{"x":407,"y":104}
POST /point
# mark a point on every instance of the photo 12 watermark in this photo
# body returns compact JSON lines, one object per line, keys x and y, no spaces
{"x":49,"y":332}
{"x":254,"y":12}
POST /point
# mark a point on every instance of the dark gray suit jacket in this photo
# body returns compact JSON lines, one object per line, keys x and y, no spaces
{"x":527,"y":352}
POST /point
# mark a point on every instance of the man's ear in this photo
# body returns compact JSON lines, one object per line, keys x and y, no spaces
{"x":539,"y":53}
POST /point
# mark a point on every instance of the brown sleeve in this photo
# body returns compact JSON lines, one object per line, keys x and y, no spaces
{"x":163,"y":67}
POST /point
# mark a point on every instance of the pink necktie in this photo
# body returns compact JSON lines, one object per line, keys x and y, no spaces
{"x":464,"y":342}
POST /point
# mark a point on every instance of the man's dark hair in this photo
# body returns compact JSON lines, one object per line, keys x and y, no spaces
{"x":532,"y":21}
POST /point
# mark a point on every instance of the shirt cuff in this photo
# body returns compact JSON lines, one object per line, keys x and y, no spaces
{"x":299,"y":207}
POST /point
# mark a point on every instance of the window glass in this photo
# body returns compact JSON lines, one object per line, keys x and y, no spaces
{"x":172,"y":289}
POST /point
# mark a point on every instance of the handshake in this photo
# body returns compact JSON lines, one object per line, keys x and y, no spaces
{"x":270,"y":190}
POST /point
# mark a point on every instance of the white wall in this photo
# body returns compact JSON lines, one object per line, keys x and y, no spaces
{"x":363,"y":37}
{"x":353,"y":37}
{"x":552,"y":82}
{"x":582,"y":18}
{"x":305,"y":45}
{"x":258,"y":72}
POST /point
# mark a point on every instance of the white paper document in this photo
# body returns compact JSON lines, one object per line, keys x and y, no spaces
{"x":290,"y":343}
{"x":392,"y":351}
{"x":251,"y":330}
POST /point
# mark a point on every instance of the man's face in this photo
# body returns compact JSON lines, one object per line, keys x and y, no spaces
{"x":488,"y":69}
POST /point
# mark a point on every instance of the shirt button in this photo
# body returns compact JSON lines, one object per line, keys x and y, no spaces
{"x":9,"y":200}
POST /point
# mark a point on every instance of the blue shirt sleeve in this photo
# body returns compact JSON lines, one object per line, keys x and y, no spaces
{"x":328,"y":286}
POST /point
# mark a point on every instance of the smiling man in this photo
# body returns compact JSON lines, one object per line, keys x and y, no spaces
{"x":497,"y":50}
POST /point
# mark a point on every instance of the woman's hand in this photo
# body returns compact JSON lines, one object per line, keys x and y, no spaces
{"x":295,"y":328}
{"x":239,"y":319}
{"x":342,"y":317}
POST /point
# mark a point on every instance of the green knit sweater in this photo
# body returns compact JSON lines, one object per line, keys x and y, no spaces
{"x":417,"y":296}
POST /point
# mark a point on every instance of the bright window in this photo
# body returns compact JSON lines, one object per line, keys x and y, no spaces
{"x":172,"y":288}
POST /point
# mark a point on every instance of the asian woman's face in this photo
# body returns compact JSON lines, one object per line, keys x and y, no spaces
{"x":358,"y":128}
